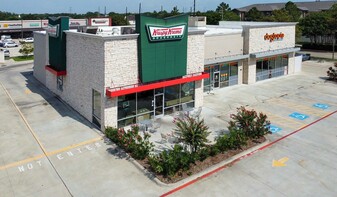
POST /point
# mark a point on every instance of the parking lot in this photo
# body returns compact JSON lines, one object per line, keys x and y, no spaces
{"x":49,"y":149}
{"x":14,"y":51}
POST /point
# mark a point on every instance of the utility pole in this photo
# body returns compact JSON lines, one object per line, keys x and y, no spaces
{"x":140,"y":8}
{"x":194,"y":8}
{"x":126,"y":14}
{"x":222,"y":13}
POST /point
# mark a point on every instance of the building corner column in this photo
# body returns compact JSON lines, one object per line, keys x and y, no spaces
{"x":249,"y":71}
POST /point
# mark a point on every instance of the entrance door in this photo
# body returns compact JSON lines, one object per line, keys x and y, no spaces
{"x":216,"y":79}
{"x":159,"y":104}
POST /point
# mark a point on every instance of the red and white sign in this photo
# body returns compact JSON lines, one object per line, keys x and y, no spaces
{"x":100,"y":22}
{"x":166,"y":33}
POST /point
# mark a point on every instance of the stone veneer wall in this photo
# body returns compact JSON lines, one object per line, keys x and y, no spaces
{"x":195,"y":63}
{"x":254,"y":43}
{"x":121,"y":68}
{"x":258,"y":44}
{"x":85,"y":71}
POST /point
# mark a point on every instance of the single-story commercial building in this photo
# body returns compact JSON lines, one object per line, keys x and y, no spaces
{"x":161,"y":67}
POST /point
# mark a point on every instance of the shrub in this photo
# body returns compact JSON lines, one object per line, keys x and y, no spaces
{"x":235,"y":139}
{"x":131,"y":141}
{"x":192,"y":132}
{"x":170,"y":162}
{"x":253,"y":125}
{"x":332,"y":73}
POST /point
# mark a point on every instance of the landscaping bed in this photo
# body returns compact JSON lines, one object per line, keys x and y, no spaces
{"x":199,"y":166}
{"x":193,"y":153}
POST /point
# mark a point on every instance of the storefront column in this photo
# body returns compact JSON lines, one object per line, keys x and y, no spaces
{"x":240,"y":72}
{"x":110,"y":113}
{"x":291,"y":63}
{"x":249,"y":71}
{"x":199,"y":94}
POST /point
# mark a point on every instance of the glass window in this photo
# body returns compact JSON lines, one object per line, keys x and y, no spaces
{"x":145,"y":102}
{"x":96,"y":108}
{"x":96,"y":104}
{"x":278,"y":62}
{"x":233,"y":69}
{"x":265,"y":64}
{"x":126,"y":106}
{"x":259,"y":66}
{"x":187,"y":92}
{"x":172,"y":95}
{"x":272,"y":63}
{"x":224,"y":72}
{"x":285,"y":60}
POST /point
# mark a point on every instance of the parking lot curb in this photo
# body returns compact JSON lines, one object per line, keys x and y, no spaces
{"x":203,"y":173}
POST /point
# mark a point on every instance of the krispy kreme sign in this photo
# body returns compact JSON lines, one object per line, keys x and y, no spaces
{"x":274,"y":37}
{"x":160,"y":33}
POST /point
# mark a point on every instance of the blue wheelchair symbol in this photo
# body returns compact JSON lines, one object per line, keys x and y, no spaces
{"x":299,"y":116}
{"x":321,"y":106}
{"x":274,"y":129}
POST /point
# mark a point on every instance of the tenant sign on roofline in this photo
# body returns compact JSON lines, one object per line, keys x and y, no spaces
{"x":274,"y":37}
{"x":161,"y":33}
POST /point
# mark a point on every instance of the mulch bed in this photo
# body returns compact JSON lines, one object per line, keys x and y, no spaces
{"x":202,"y":165}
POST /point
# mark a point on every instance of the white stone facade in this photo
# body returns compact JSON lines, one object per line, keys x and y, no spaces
{"x":121,"y":69}
{"x":257,"y":43}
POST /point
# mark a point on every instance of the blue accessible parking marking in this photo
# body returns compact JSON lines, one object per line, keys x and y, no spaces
{"x":321,"y":106}
{"x":299,"y":116}
{"x":274,"y":129}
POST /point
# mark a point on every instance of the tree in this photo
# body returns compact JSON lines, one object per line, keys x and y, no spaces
{"x":192,"y":132}
{"x":254,"y":15}
{"x":26,"y":49}
{"x":315,"y":26}
{"x":213,"y":18}
{"x":293,"y":11}
{"x":223,"y":7}
{"x":281,"y":16}
{"x":175,"y":11}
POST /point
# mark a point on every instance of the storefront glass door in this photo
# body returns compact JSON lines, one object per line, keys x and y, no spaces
{"x":216,"y":78}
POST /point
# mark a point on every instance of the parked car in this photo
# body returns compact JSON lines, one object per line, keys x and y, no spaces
{"x":7,"y":53}
{"x":28,"y":40}
{"x":10,"y":44}
{"x":305,"y":56}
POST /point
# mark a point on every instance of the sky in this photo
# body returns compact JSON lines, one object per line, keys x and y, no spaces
{"x":119,"y":6}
